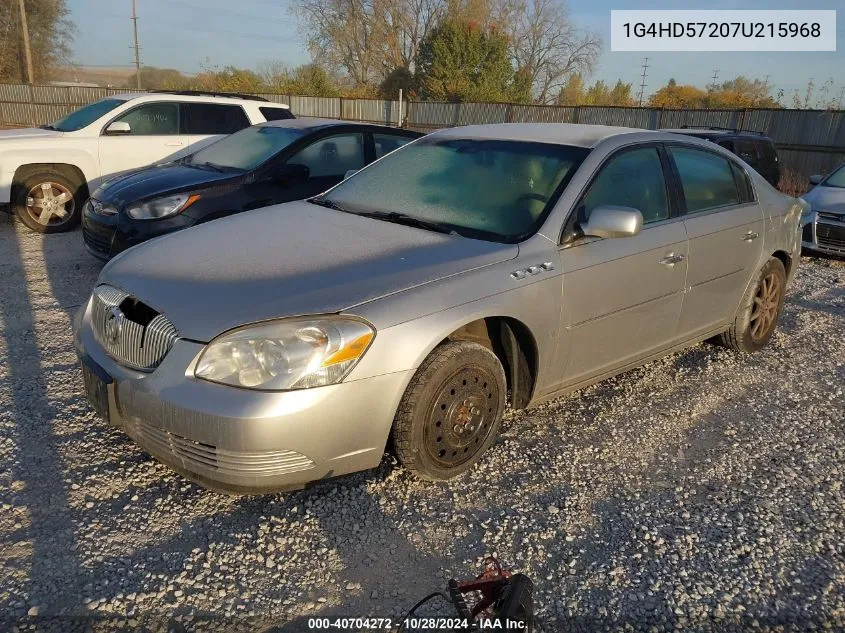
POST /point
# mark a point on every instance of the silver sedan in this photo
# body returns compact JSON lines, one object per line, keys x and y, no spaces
{"x":474,"y":268}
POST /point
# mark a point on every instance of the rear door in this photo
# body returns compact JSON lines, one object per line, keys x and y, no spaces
{"x":153,"y":137}
{"x":328,"y":158}
{"x":204,"y":123}
{"x":622,"y":297}
{"x":725,"y":228}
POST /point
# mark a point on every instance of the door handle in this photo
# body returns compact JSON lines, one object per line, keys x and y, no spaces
{"x":174,"y":144}
{"x":750,"y":236}
{"x":671,"y":259}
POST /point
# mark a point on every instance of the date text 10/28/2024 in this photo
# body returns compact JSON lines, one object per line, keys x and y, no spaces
{"x":414,"y":624}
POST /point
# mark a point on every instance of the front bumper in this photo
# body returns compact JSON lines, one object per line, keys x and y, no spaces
{"x":243,"y":441}
{"x":823,"y":233}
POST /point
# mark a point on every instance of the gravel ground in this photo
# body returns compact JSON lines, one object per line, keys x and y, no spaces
{"x":702,"y":491}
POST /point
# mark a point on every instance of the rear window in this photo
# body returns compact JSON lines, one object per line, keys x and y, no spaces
{"x":275,"y":114}
{"x":707,"y":179}
{"x":766,"y":149}
{"x":212,"y":118}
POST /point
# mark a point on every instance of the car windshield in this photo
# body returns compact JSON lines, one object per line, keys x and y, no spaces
{"x":488,"y":189}
{"x":247,"y":149}
{"x":836,"y":179}
{"x":83,"y":117}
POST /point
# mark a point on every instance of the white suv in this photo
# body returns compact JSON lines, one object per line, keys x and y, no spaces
{"x":47,"y":172}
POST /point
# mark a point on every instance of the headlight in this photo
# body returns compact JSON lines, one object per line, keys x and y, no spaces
{"x":95,"y":206}
{"x":286,"y":354}
{"x":162,"y":207}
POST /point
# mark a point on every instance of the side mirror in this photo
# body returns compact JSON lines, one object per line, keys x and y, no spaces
{"x":816,"y":179}
{"x":291,"y":172}
{"x":610,"y":221}
{"x":118,"y":127}
{"x":349,"y":172}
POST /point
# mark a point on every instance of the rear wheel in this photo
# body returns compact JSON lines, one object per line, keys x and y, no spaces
{"x":758,"y":315}
{"x":48,"y":200}
{"x":451,"y":412}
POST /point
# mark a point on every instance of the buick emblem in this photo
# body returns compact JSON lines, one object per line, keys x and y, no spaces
{"x":114,"y":324}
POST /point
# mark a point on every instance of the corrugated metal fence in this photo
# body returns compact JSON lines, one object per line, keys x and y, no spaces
{"x":809,"y":141}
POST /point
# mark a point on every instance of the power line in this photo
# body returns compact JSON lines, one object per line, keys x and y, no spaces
{"x":642,"y":85}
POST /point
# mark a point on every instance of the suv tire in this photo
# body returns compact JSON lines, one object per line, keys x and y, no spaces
{"x":759,"y":311}
{"x":54,"y":187}
{"x":451,"y":411}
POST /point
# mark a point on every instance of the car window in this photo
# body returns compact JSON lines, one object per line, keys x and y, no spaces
{"x":275,"y":114}
{"x":212,"y":118}
{"x":835,"y":179}
{"x":83,"y":117}
{"x":152,"y":119}
{"x":706,"y":179}
{"x":746,"y":150}
{"x":632,"y":178}
{"x":247,"y":149}
{"x":766,"y":151}
{"x":386,"y":143}
{"x":490,"y":189}
{"x":332,"y":155}
{"x":746,"y":193}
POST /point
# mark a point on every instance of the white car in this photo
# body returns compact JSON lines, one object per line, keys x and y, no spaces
{"x":47,"y":172}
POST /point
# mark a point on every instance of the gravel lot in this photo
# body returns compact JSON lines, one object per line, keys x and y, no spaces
{"x":703,"y":491}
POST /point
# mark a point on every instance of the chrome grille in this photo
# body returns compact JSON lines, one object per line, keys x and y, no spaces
{"x":831,"y":236}
{"x":198,"y":457}
{"x":137,"y":346}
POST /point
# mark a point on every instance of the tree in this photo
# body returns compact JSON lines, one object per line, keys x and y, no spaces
{"x":548,"y":46}
{"x":51,"y":33}
{"x":398,"y":79}
{"x":229,"y":79}
{"x":621,"y":94}
{"x":461,"y":61}
{"x":572,"y":92}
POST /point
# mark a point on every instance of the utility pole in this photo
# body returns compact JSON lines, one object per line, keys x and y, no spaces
{"x":841,"y":94}
{"x":642,"y":85}
{"x":27,"y":53}
{"x":137,"y":54}
{"x":715,"y":77}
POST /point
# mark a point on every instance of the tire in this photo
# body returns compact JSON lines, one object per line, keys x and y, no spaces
{"x":451,"y":411}
{"x":764,"y":298}
{"x":61,"y":186}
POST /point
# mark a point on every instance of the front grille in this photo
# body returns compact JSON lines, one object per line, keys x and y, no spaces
{"x":140,"y":345}
{"x":96,"y":242}
{"x":198,"y":457}
{"x":831,"y":236}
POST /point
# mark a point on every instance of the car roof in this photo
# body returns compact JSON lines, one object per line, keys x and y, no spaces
{"x":200,"y":97}
{"x":315,"y":123}
{"x":579,"y":135}
{"x":709,"y":132}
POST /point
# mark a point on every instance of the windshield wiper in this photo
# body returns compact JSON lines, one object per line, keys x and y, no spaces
{"x":408,"y":220}
{"x":329,"y":204}
{"x":211,"y":166}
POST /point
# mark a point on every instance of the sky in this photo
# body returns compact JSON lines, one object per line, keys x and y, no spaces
{"x":192,"y":34}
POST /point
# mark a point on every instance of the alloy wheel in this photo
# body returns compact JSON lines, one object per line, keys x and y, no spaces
{"x":764,"y":311}
{"x":50,"y":203}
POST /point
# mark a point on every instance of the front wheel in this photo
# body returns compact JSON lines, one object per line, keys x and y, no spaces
{"x":451,"y":412}
{"x":758,"y":315}
{"x":49,"y":201}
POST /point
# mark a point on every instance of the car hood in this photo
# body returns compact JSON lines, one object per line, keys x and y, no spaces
{"x":287,"y":260}
{"x":27,"y":133}
{"x":830,"y":199}
{"x":159,"y":180}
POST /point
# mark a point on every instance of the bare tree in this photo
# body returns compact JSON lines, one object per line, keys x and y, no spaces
{"x":548,"y":46}
{"x":51,"y":33}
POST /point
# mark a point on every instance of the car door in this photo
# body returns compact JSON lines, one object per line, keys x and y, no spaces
{"x":153,"y":136}
{"x":622,"y":297}
{"x":725,"y":228}
{"x":327,"y":158}
{"x":204,"y":123}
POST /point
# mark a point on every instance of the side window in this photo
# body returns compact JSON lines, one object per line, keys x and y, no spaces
{"x":275,"y":114}
{"x":386,"y":143}
{"x":332,"y":155}
{"x":706,"y":179}
{"x":746,"y":193}
{"x":152,"y":119}
{"x":212,"y":118}
{"x":747,"y":151}
{"x":767,"y":152}
{"x":633,"y":178}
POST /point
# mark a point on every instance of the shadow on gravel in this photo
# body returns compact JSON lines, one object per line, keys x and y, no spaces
{"x":39,"y":485}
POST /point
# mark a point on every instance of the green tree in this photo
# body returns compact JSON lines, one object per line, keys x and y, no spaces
{"x":461,"y":61}
{"x":160,"y":78}
{"x":51,"y":33}
{"x":229,"y":79}
{"x":572,"y":92}
{"x":398,"y":79}
{"x":621,"y":94}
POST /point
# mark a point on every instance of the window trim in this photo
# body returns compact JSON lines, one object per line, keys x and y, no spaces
{"x":141,"y":105}
{"x":672,"y":195}
{"x":308,"y":140}
{"x":729,"y":158}
{"x":225,"y":105}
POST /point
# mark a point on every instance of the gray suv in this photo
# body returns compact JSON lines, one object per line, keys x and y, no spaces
{"x":472,"y":269}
